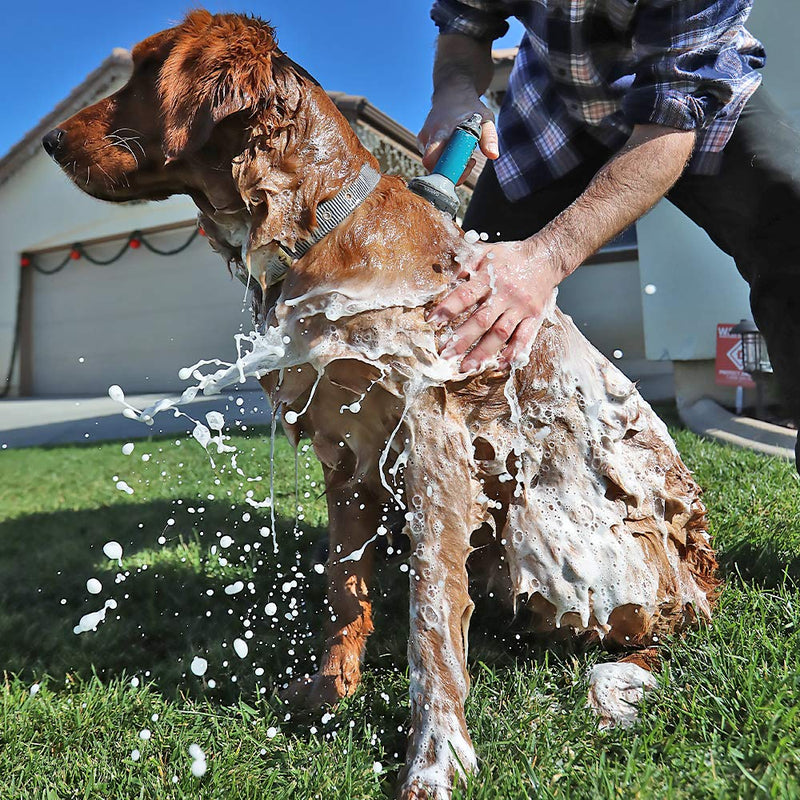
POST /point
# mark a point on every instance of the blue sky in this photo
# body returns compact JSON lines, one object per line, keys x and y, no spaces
{"x":379,"y":49}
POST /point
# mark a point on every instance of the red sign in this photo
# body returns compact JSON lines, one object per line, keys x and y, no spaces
{"x":729,"y":358}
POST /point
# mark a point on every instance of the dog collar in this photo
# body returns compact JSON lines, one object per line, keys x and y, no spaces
{"x":331,"y":213}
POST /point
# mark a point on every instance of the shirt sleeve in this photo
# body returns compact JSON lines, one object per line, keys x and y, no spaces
{"x":484,"y":20}
{"x":695,"y":62}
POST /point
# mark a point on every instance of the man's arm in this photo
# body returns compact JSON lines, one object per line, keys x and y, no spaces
{"x":524,"y":274}
{"x":462,"y":72}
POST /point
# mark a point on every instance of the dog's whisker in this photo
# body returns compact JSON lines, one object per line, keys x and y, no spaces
{"x":119,"y":141}
{"x":110,"y":182}
{"x":133,"y":130}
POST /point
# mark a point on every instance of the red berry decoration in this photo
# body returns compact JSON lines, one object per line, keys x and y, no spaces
{"x":75,"y":255}
{"x":134,"y":244}
{"x":201,"y":231}
{"x":25,"y":261}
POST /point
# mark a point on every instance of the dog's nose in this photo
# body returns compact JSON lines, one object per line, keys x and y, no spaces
{"x":52,"y":141}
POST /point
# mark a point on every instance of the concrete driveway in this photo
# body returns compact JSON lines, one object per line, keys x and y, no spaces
{"x":28,"y":422}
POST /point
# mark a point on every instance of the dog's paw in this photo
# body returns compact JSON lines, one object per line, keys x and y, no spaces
{"x":437,"y":766}
{"x":615,"y":691}
{"x":416,"y":789}
{"x":317,"y":691}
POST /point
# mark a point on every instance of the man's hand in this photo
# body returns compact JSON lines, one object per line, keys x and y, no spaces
{"x":462,"y":72}
{"x":446,"y":113}
{"x":512,"y":286}
{"x":509,"y":286}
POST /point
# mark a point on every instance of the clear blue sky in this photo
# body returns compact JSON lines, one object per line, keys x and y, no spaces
{"x":381,"y":49}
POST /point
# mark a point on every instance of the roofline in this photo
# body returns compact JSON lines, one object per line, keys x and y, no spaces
{"x":119,"y":63}
{"x":503,"y":60}
{"x":504,"y":55}
{"x":357,"y":108}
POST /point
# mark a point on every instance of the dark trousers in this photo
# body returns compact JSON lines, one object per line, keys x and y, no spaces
{"x":750,"y":209}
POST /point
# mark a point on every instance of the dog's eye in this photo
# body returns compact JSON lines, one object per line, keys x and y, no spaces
{"x":254,"y":199}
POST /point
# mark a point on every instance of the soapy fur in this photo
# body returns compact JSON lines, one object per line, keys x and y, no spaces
{"x":556,"y":480}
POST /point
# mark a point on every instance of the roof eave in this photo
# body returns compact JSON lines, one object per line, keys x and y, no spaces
{"x":117,"y":65}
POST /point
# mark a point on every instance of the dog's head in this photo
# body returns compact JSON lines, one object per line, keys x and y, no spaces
{"x":214,"y":109}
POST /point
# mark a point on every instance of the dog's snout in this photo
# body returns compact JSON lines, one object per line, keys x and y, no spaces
{"x":53,"y":141}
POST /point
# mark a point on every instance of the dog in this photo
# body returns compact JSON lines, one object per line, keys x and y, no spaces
{"x":554,"y":482}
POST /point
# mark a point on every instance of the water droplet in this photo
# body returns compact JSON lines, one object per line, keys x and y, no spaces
{"x":199,"y":666}
{"x":113,"y":550}
{"x":199,"y":768}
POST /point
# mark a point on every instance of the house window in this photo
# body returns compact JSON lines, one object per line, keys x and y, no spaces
{"x":623,"y":247}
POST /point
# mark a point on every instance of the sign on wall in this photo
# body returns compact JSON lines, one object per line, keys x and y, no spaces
{"x":729,"y":362}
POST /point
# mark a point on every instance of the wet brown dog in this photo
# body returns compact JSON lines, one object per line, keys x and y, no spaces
{"x":557,"y":481}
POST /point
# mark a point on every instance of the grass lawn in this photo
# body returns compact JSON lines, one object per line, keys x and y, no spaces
{"x":724,"y":723}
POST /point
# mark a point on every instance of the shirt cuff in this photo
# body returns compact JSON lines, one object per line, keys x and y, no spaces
{"x":479,"y":19}
{"x":670,"y":108}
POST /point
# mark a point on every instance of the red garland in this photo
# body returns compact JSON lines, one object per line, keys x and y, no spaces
{"x":134,"y":242}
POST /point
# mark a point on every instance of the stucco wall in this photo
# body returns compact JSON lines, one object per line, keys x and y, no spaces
{"x":698,"y":285}
{"x":40,"y":208}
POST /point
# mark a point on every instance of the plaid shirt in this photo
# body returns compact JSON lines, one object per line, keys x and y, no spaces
{"x":587,"y":71}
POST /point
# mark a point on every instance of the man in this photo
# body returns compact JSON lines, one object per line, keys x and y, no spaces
{"x":611,"y":105}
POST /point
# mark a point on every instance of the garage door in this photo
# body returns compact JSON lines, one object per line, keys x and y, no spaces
{"x":135,"y":322}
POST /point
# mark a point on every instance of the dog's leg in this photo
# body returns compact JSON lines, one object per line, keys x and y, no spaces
{"x":353,"y":514}
{"x":440,"y":495}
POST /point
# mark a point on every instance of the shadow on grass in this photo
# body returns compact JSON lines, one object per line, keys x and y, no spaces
{"x":172,"y":604}
{"x":767,"y":565}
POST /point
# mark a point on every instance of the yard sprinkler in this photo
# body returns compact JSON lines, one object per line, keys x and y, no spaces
{"x":439,"y":187}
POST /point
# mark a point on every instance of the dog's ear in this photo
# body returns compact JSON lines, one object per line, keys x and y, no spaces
{"x":219,"y":65}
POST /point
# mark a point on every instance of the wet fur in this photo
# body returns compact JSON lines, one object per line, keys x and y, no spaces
{"x":221,"y":114}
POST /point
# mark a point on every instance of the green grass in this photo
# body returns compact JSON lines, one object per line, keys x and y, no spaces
{"x":723,"y":723}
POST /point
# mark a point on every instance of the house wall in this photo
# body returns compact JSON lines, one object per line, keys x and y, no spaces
{"x":698,"y":285}
{"x":135,"y":322}
{"x":605,"y":302}
{"x":39,"y":209}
